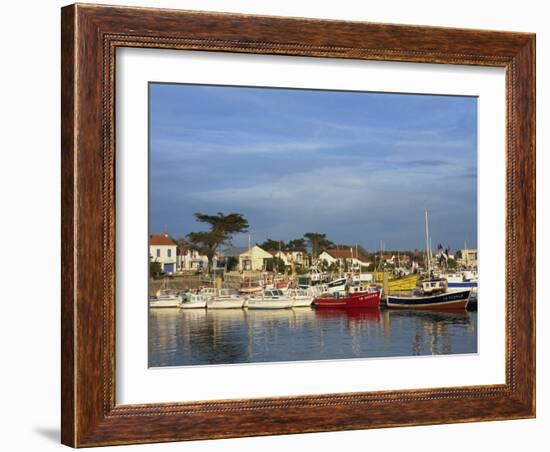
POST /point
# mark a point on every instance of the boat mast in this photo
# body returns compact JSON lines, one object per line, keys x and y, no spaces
{"x":250,"y":263}
{"x":427,"y":242}
{"x":357,"y":259}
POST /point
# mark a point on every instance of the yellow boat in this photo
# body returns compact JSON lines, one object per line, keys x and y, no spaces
{"x":395,"y":284}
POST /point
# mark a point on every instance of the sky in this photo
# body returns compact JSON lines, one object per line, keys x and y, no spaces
{"x":360,"y":167}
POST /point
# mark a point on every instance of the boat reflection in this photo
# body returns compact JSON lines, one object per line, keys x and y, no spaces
{"x":434,"y":332}
{"x":353,"y":314}
{"x":230,"y":336}
{"x":458,"y":317}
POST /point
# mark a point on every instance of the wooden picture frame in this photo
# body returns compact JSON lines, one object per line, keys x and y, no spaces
{"x":90,"y":36}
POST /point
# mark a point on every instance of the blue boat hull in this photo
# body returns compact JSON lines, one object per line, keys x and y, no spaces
{"x":460,"y":285}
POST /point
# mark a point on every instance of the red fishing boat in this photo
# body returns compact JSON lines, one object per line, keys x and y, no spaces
{"x":346,"y":300}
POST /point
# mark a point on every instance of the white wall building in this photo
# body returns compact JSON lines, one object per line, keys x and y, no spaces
{"x":163,"y":249}
{"x":296,"y":259}
{"x":254,"y":259}
{"x":344,"y":257}
{"x":188,"y":259}
{"x":468,"y":257}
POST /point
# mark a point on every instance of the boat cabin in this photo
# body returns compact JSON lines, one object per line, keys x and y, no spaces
{"x":433,"y":286}
{"x":364,"y":288}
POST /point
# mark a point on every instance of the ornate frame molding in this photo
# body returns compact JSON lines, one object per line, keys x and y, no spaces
{"x":90,"y":37}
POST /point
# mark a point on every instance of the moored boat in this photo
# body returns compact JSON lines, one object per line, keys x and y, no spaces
{"x":301,"y":298}
{"x":248,"y":291}
{"x":346,"y":300}
{"x":270,"y":299}
{"x":208,"y":292}
{"x":433,"y":293}
{"x":194,"y":301}
{"x":447,"y":300}
{"x":172,"y":301}
{"x":460,"y":281}
{"x":226,"y":299}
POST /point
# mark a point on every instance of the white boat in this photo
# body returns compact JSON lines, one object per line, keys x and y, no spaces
{"x":454,"y":278}
{"x":194,"y":301}
{"x":464,"y":280}
{"x":300,"y":297}
{"x":208,"y":292}
{"x":247,"y":291}
{"x":226,"y":299}
{"x":225,"y":303}
{"x":172,"y":301}
{"x":166,"y":297}
{"x":315,"y":276}
{"x":314,"y":291}
{"x":270,"y":299}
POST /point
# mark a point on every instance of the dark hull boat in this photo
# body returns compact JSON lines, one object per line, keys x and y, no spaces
{"x":448,"y":300}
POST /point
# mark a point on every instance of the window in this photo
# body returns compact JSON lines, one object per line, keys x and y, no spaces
{"x":169,"y":253}
{"x":158,"y":252}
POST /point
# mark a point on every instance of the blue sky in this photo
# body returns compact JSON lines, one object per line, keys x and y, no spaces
{"x":360,"y":167}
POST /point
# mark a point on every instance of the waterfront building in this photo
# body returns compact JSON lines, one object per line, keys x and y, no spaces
{"x":344,"y":257}
{"x":468,"y":257}
{"x":190,"y":260}
{"x":292,"y":259}
{"x":162,"y":249}
{"x":254,"y":259}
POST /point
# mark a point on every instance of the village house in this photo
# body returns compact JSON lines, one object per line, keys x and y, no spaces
{"x":468,"y":257}
{"x":292,"y":259}
{"x":254,"y":259}
{"x":344,"y":257}
{"x":190,"y":260}
{"x":162,"y":249}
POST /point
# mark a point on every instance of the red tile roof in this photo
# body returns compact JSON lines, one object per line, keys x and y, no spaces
{"x":161,"y":239}
{"x":345,"y":253}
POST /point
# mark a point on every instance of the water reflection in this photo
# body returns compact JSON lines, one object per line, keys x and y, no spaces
{"x":195,"y":337}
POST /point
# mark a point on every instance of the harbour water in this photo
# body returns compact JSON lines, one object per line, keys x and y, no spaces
{"x":180,"y":337}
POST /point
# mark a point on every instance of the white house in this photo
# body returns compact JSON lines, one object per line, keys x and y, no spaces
{"x":254,"y":259}
{"x":188,"y":259}
{"x":296,"y":259}
{"x":344,"y":257}
{"x":162,"y":249}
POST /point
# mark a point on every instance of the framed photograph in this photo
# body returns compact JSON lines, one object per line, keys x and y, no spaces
{"x":282,"y":225}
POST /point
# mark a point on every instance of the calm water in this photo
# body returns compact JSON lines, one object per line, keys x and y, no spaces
{"x":180,"y":337}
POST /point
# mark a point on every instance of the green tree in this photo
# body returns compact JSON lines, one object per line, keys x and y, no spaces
{"x":222,"y":228}
{"x":451,"y":264}
{"x":231,"y":262}
{"x":296,"y":245}
{"x":276,"y":264}
{"x":154,"y":268}
{"x":317,"y":243}
{"x":182,"y":242}
{"x":272,"y":245}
